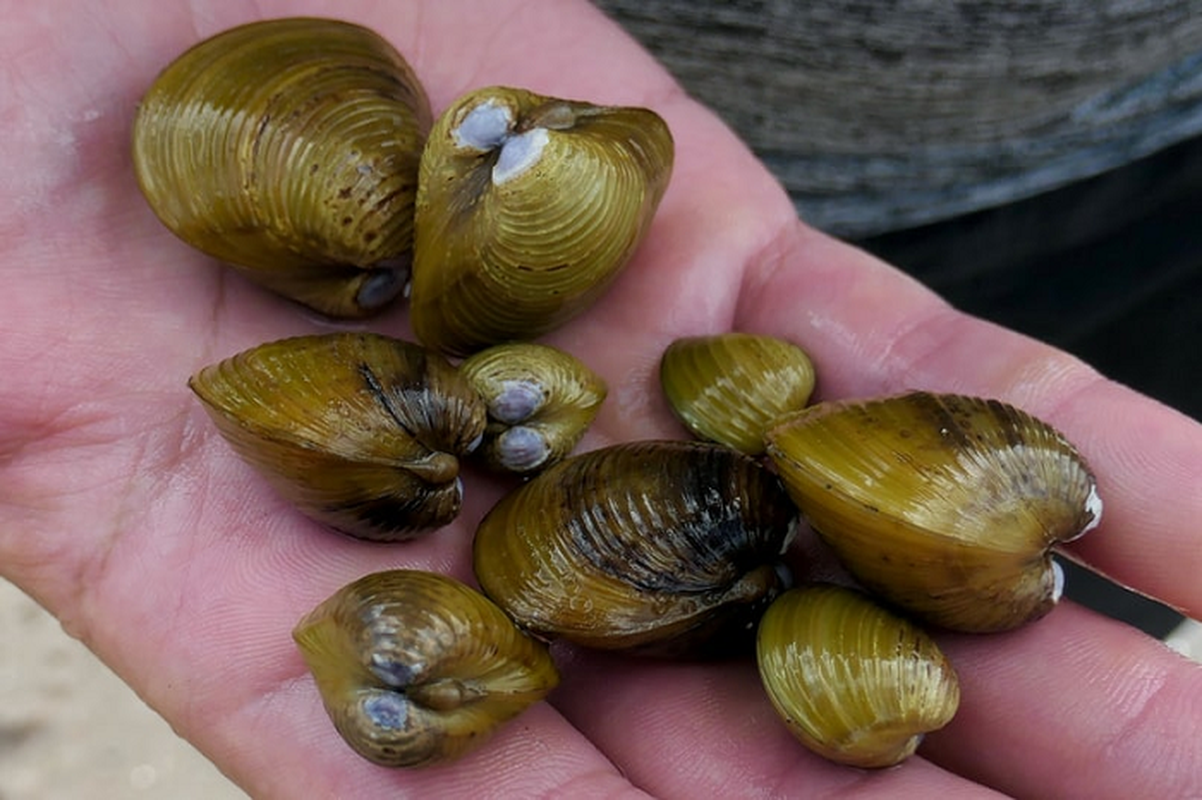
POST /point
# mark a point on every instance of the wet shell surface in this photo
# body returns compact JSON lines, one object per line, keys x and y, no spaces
{"x":360,"y":431}
{"x":527,"y":210}
{"x":289,"y":148}
{"x":662,"y":547}
{"x":948,"y":506}
{"x":540,"y":402}
{"x":731,"y":387}
{"x":415,"y":668}
{"x":854,"y":683}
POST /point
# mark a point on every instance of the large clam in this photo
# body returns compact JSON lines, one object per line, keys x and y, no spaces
{"x":528,"y":208}
{"x":653,"y":546}
{"x":360,"y":431}
{"x":948,"y":506}
{"x":289,"y":148}
{"x":415,"y":668}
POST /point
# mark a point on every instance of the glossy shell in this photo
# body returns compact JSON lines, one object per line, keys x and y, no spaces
{"x":853,"y":682}
{"x":540,"y":402}
{"x":359,"y":431}
{"x":415,"y":668}
{"x":663,"y":547}
{"x":731,"y":387}
{"x":289,"y":148}
{"x":527,"y":210}
{"x":948,"y":506}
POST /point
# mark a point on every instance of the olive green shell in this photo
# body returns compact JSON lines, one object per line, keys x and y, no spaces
{"x":528,"y":208}
{"x":360,"y":431}
{"x":947,"y":506}
{"x":540,"y":402}
{"x":662,"y":547}
{"x":731,"y":387}
{"x":415,"y":668}
{"x":854,"y":683}
{"x":289,"y":148}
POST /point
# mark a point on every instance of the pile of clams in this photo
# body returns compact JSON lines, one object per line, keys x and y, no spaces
{"x":303,"y":152}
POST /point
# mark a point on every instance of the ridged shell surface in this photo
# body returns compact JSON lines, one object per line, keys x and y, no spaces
{"x":662,"y":547}
{"x":946,"y":505}
{"x":855,"y":683}
{"x":731,"y":387}
{"x":527,"y":210}
{"x":289,"y":148}
{"x":540,"y":402}
{"x":415,"y":668}
{"x":360,"y":431}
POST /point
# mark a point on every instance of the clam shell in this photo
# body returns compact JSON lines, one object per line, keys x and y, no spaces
{"x":657,"y":546}
{"x":289,"y":148}
{"x":540,"y":401}
{"x":528,"y":208}
{"x":360,"y":431}
{"x":945,"y":505}
{"x":731,"y":387}
{"x":415,"y":668}
{"x":854,"y":682}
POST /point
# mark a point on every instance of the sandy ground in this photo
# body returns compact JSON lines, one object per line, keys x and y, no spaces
{"x":71,"y":730}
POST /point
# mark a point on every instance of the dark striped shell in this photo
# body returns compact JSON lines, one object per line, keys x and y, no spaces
{"x":656,"y":546}
{"x":360,"y":431}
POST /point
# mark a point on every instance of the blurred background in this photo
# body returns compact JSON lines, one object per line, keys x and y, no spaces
{"x":1036,"y":163}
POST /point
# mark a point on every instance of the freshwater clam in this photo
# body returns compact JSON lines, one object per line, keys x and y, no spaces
{"x":540,"y":402}
{"x":527,"y":209}
{"x":360,"y":431}
{"x":289,"y":148}
{"x":415,"y":668}
{"x":731,"y":387}
{"x":945,"y":505}
{"x":855,"y":683}
{"x":662,"y":547}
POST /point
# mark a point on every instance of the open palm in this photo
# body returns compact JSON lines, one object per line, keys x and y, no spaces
{"x":125,"y":515}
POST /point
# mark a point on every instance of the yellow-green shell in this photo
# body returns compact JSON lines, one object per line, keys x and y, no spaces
{"x":528,"y":208}
{"x":360,"y":431}
{"x":540,"y":402}
{"x":289,"y":148}
{"x":731,"y":387}
{"x":661,"y":547}
{"x":415,"y":668}
{"x":945,"y":505}
{"x":854,"y":683}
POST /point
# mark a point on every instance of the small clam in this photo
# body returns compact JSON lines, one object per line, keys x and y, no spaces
{"x":360,"y":431}
{"x":662,"y":547}
{"x":947,"y":506}
{"x":415,"y":668}
{"x":289,"y":148}
{"x":527,"y":209}
{"x":731,"y":387}
{"x":855,"y":683}
{"x":540,"y":402}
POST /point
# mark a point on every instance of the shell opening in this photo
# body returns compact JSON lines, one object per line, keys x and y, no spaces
{"x":516,"y":402}
{"x":485,"y":127}
{"x":521,"y":448}
{"x":518,"y":154}
{"x":1093,"y":504}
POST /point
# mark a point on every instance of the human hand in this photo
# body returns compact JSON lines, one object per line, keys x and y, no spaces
{"x":125,"y":514}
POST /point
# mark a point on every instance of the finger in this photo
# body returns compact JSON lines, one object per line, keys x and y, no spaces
{"x":705,"y":730}
{"x":872,"y":330}
{"x":1087,"y":706}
